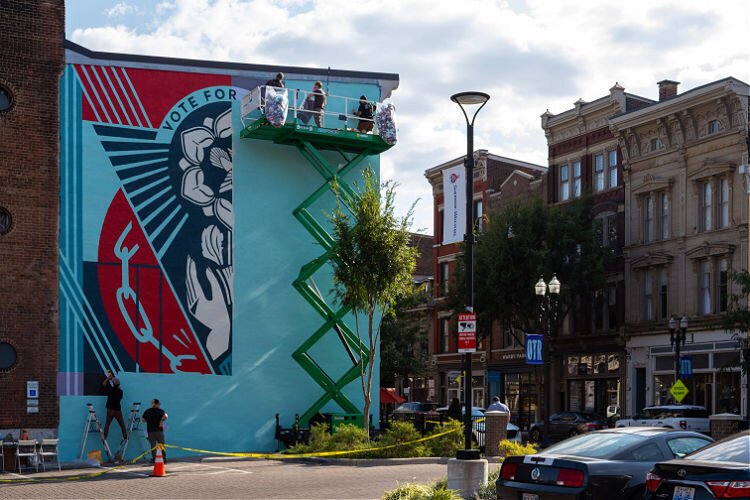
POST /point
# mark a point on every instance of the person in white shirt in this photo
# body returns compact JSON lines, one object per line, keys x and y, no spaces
{"x":498,"y":406}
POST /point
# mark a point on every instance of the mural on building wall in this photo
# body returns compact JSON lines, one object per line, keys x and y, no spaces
{"x":158,"y":296}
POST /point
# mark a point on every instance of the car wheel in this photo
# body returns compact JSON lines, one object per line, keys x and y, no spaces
{"x":573,"y":432}
{"x":535,"y":436}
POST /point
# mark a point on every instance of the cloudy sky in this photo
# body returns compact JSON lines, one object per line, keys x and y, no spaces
{"x":529,"y":55}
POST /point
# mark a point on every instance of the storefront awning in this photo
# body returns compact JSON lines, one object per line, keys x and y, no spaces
{"x":389,"y":396}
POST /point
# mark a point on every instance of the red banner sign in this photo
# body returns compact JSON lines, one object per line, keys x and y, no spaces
{"x":467,"y":332}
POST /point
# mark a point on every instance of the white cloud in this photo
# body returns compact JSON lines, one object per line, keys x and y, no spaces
{"x":529,"y":55}
{"x":121,"y":9}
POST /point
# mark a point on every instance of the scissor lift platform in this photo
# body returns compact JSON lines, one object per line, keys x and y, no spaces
{"x":292,"y":134}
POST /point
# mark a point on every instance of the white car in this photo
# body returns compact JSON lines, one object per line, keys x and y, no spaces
{"x":686,"y":417}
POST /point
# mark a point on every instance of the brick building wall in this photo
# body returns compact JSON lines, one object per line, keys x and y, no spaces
{"x":31,"y":61}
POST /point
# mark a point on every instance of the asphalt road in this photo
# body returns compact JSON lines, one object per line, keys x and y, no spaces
{"x":252,"y":479}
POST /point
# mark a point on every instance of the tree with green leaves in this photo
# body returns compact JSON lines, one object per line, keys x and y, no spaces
{"x":523,"y":241}
{"x":373,"y":263}
{"x":736,"y":320}
{"x":400,"y":333}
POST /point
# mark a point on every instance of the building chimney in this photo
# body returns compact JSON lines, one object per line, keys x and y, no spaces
{"x":667,"y":89}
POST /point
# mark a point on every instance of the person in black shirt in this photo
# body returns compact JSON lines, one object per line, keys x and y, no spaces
{"x":364,"y":111}
{"x":276,"y":82}
{"x":114,"y":396}
{"x":154,"y":418}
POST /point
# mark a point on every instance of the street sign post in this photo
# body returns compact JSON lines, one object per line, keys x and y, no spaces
{"x":678,"y":391}
{"x":534,"y":349}
{"x":467,"y":332}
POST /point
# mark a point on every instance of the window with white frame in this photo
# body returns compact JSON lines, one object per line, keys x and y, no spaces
{"x":704,"y":288}
{"x":664,"y":215}
{"x":564,"y":183}
{"x":445,"y":276}
{"x":713,"y":126}
{"x":606,"y":230}
{"x":723,"y":203}
{"x":656,"y":144}
{"x":478,"y":215}
{"x":706,"y":206}
{"x":576,"y":179}
{"x":445,"y":330}
{"x":599,"y":184}
{"x":612,"y":165}
{"x":648,"y":296}
{"x":648,"y":218}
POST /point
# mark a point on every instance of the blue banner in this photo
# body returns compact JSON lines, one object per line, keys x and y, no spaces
{"x":534,"y":349}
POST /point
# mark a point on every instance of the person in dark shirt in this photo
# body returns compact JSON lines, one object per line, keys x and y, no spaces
{"x":154,"y":418}
{"x":314,"y":104}
{"x":365,"y":112}
{"x":114,"y":410}
{"x":276,"y":82}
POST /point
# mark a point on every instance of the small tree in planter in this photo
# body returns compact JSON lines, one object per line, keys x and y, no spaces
{"x":373,"y":263}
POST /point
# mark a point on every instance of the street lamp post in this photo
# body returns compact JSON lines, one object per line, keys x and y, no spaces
{"x":677,"y":338}
{"x":548,"y":303}
{"x":474,"y":101}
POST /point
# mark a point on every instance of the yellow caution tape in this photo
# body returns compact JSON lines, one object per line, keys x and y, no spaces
{"x":78,"y":477}
{"x":230,"y":454}
{"x":311,"y":454}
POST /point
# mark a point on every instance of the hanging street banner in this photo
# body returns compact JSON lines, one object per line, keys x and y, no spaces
{"x":534,"y":349}
{"x":454,"y":204}
{"x":686,"y":366}
{"x":467,"y":332}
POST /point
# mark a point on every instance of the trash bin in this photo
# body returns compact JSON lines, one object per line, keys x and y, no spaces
{"x":496,"y":429}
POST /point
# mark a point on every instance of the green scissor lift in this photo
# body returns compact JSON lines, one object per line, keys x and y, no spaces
{"x":353,"y":148}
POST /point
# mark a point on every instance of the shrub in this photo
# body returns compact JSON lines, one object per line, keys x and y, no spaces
{"x":448,"y":444}
{"x":488,"y":491}
{"x":319,"y":440}
{"x":401,"y":432}
{"x":349,"y":437}
{"x":508,"y":448}
{"x":416,"y":491}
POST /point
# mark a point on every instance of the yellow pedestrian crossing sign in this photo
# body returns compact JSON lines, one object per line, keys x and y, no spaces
{"x":678,"y":391}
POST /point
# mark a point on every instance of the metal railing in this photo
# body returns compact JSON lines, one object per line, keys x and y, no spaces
{"x":338,"y":113}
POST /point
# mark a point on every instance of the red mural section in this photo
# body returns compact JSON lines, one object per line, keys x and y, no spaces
{"x":139,"y":303}
{"x":137,"y":97}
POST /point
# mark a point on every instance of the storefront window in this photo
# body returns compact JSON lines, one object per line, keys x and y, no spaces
{"x":728,"y":392}
{"x":662,"y":383}
{"x":521,"y":398}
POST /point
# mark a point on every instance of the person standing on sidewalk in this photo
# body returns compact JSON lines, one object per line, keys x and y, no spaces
{"x":114,"y":397}
{"x":154,"y":418}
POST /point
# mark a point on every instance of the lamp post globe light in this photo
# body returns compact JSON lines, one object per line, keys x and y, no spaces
{"x":677,"y":338}
{"x":470,"y":104}
{"x":548,"y":304}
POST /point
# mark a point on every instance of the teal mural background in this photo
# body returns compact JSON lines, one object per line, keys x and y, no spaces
{"x":233,"y":412}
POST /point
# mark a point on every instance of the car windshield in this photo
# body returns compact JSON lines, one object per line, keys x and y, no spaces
{"x":595,"y":445}
{"x":732,"y":450}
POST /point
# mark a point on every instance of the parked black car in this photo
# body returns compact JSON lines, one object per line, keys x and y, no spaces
{"x":414,"y":407}
{"x":721,"y":470}
{"x":608,"y":464}
{"x":567,"y":424}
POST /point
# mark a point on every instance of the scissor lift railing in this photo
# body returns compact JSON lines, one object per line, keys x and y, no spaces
{"x":353,"y":147}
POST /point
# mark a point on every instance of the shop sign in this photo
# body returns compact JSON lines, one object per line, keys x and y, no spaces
{"x":534,"y":349}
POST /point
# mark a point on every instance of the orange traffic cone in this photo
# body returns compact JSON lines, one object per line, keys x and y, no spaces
{"x":159,"y":469}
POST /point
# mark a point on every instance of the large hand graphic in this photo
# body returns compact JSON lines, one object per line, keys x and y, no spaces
{"x":213,"y":312}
